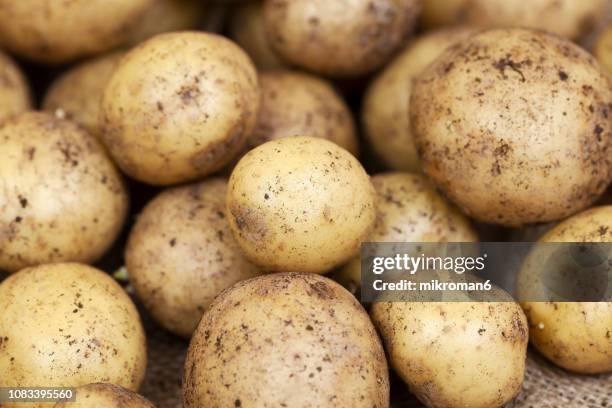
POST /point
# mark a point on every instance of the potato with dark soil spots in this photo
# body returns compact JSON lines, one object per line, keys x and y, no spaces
{"x":386,"y":101}
{"x":300,"y":204}
{"x":179,"y":107}
{"x":286,"y":340}
{"x":77,"y":94}
{"x":181,"y":254}
{"x":515,"y":126}
{"x":456,"y":354}
{"x":297,"y":104}
{"x":14,"y":89}
{"x":574,"y":335}
{"x":62,"y":199}
{"x":67,"y":325}
{"x":57,"y":31}
{"x":342,"y":38}
{"x":102,"y":395}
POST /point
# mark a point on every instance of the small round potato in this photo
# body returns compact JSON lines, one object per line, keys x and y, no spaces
{"x":339,"y":38}
{"x":14,"y":89}
{"x":514,"y":126}
{"x":603,"y":49}
{"x":247,"y":28}
{"x":67,"y":325}
{"x":574,"y":335}
{"x":105,"y":395}
{"x":286,"y":340}
{"x":179,"y":106}
{"x":300,"y":204}
{"x":57,"y":31}
{"x":387,"y":99}
{"x":296,"y":104}
{"x":181,"y":254}
{"x":77,"y":94}
{"x":62,"y":198}
{"x":456,"y":354}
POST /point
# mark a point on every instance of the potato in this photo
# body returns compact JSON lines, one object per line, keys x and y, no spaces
{"x":338,"y":38}
{"x":57,"y":31}
{"x":296,"y":104}
{"x":388,"y":96}
{"x":181,"y":254}
{"x":410,"y":210}
{"x":77,"y":94}
{"x":436,"y":13}
{"x":107,"y":396}
{"x":300,"y":204}
{"x":179,"y":107}
{"x":62,"y":198}
{"x":603,"y":49}
{"x":247,"y":28}
{"x":513,"y":125}
{"x":574,"y":335}
{"x":14,"y":89}
{"x":456,"y":354}
{"x":286,"y":340}
{"x":66,"y":325}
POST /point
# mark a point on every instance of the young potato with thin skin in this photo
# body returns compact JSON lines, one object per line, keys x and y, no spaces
{"x":514,"y":126}
{"x":67,"y":325}
{"x":286,"y":340}
{"x":296,"y":104}
{"x":179,"y":107}
{"x":300,"y":204}
{"x":105,"y":395}
{"x":247,"y":28}
{"x":409,"y":209}
{"x":384,"y":118}
{"x":181,"y":254}
{"x":14,"y":89}
{"x":343,"y":38}
{"x":574,"y":335}
{"x":57,"y":31}
{"x":603,"y":49}
{"x":62,"y":197}
{"x":456,"y":354}
{"x":77,"y":94}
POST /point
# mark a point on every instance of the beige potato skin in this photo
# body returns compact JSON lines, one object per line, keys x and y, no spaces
{"x":300,"y":204}
{"x":339,"y":38}
{"x":107,"y":396}
{"x":66,"y":325}
{"x":456,"y":354}
{"x":179,"y":107}
{"x":386,"y":124}
{"x":62,"y":198}
{"x":603,"y":49}
{"x":513,"y":125}
{"x":295,"y":340}
{"x":409,"y":209}
{"x":248,"y":29}
{"x":295,"y":104}
{"x":77,"y":94}
{"x":57,"y":31}
{"x":574,"y":335}
{"x":181,"y":254}
{"x":14,"y":89}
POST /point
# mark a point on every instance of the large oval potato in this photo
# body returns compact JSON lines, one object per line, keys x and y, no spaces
{"x":574,"y":335}
{"x":296,"y":104}
{"x":100,"y":395}
{"x":386,"y":101}
{"x":286,"y":340}
{"x":62,"y":197}
{"x":338,"y":38}
{"x":181,"y":254}
{"x":66,"y":325}
{"x":300,"y":204}
{"x":77,"y":94}
{"x":56,"y":31}
{"x":514,"y":126}
{"x":179,"y":106}
{"x":14,"y":89}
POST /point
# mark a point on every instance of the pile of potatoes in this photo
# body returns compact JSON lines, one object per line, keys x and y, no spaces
{"x":231,"y":170}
